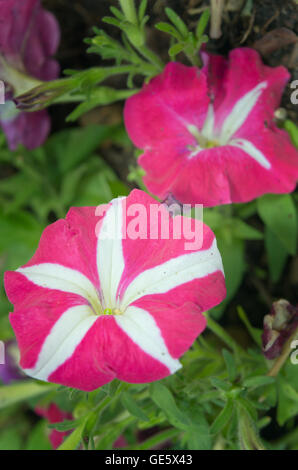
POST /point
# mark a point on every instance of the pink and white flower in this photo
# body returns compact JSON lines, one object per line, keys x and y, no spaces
{"x":89,"y":308}
{"x":209,"y":136}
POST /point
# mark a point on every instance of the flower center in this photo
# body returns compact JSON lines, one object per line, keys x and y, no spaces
{"x":202,"y":141}
{"x":112,"y":311}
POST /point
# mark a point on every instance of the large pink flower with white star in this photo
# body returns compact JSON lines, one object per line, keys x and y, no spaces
{"x":209,"y":136}
{"x":89,"y":307}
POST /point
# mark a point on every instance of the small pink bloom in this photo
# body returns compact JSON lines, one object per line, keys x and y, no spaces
{"x":209,"y":136}
{"x":54,"y":414}
{"x":29,"y":36}
{"x":90,"y":308}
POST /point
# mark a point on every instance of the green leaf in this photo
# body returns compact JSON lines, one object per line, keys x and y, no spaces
{"x":177,"y":21}
{"x":10,"y":440}
{"x":276,"y":253}
{"x":15,"y":393}
{"x":142,"y":10}
{"x":176,"y":49}
{"x":202,"y":24}
{"x":255,"y":333}
{"x":99,"y":96}
{"x":278,"y":213}
{"x":169,"y":29}
{"x":232,"y":253}
{"x":220,"y":384}
{"x":292,"y":130}
{"x":131,"y":406}
{"x":223,"y":418}
{"x":287,"y":401}
{"x":74,"y":439}
{"x":117,"y":13}
{"x":164,"y":399}
{"x":114,"y":431}
{"x":38,"y":439}
{"x":244,"y":231}
{"x":231,"y":364}
{"x":258,"y":381}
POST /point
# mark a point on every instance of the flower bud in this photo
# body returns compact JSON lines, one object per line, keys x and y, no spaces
{"x":278,"y":327}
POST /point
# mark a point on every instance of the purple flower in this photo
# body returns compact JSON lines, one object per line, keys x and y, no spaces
{"x":29,"y":36}
{"x":10,"y":371}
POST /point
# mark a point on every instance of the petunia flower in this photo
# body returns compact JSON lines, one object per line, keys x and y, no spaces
{"x":53,"y":414}
{"x":10,"y":371}
{"x":209,"y":136}
{"x":29,"y":36}
{"x":97,"y":302}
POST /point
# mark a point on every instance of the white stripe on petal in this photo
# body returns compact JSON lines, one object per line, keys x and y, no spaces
{"x":142,"y":329}
{"x":240,"y":112}
{"x":208,"y":128}
{"x":56,"y":276}
{"x":252,"y":151}
{"x":63,"y":339}
{"x":110,"y":261}
{"x":173,"y":273}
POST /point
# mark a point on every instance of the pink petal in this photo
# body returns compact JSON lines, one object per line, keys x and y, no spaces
{"x":157,"y":114}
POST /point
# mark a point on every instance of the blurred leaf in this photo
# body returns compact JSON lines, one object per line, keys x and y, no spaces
{"x":21,"y":391}
{"x":72,"y":441}
{"x":38,"y":439}
{"x":177,"y":21}
{"x":287,"y":401}
{"x":164,"y":399}
{"x":202,"y":23}
{"x":278,"y":212}
{"x":258,"y":381}
{"x":255,"y":333}
{"x":169,"y":29}
{"x":244,"y":231}
{"x":10,"y":439}
{"x":292,"y":130}
{"x":231,"y":364}
{"x":131,"y":406}
{"x":277,"y":254}
{"x":223,"y":418}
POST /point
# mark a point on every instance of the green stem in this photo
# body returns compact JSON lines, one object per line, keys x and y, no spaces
{"x":223,"y":335}
{"x":151,"y":57}
{"x":129,"y":10}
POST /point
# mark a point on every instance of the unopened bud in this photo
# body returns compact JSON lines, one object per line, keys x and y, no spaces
{"x":279,"y":325}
